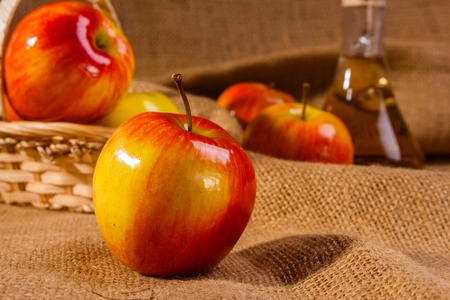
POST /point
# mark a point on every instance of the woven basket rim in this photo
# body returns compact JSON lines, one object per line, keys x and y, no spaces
{"x":51,"y":129}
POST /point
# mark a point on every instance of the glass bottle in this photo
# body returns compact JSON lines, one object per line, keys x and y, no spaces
{"x":361,"y":94}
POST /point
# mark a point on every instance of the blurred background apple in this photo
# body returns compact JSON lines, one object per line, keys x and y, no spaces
{"x":284,"y":131}
{"x":135,"y":103}
{"x":246,"y":99}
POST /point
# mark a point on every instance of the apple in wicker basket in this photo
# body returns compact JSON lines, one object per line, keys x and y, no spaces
{"x":66,"y":61}
{"x":297,"y":131}
{"x":172,"y":193}
{"x":246,"y":99}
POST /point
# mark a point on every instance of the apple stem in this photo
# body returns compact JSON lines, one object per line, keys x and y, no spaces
{"x":177,"y":78}
{"x":305,"y":93}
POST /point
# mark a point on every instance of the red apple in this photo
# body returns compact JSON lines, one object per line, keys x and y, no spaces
{"x":65,"y":61}
{"x":297,"y":131}
{"x":246,"y":99}
{"x":172,"y":194}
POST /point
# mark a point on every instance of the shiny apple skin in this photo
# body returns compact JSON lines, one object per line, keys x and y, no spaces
{"x":245,"y":100}
{"x":135,"y":103}
{"x":169,"y":201}
{"x":54,"y":71}
{"x":280,"y":131}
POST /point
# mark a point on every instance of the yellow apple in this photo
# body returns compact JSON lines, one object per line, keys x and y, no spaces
{"x":136,"y":103}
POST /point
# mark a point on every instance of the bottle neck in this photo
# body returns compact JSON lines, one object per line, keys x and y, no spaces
{"x":363,"y":30}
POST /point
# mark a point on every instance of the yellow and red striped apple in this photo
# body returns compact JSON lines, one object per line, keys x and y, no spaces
{"x":283,"y":131}
{"x":246,"y":99}
{"x":172,"y":193}
{"x":66,"y":61}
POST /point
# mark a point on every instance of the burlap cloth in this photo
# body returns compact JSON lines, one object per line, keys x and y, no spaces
{"x":318,"y":230}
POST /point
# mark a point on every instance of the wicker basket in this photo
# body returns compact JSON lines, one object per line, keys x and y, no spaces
{"x":48,"y":164}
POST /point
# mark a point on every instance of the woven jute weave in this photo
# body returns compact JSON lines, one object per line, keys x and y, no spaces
{"x":318,"y":231}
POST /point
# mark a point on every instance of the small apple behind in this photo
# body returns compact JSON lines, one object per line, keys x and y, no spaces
{"x":246,"y":99}
{"x":66,"y":61}
{"x":172,"y":193}
{"x":297,"y":131}
{"x":136,"y":103}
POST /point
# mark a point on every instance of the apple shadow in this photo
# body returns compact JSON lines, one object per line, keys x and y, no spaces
{"x":284,"y":261}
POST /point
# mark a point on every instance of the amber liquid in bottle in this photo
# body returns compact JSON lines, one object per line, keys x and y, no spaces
{"x":362,"y":97}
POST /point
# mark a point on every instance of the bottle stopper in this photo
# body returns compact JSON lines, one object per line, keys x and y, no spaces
{"x":377,"y":3}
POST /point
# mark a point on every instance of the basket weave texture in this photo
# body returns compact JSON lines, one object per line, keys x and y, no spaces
{"x":49,"y":165}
